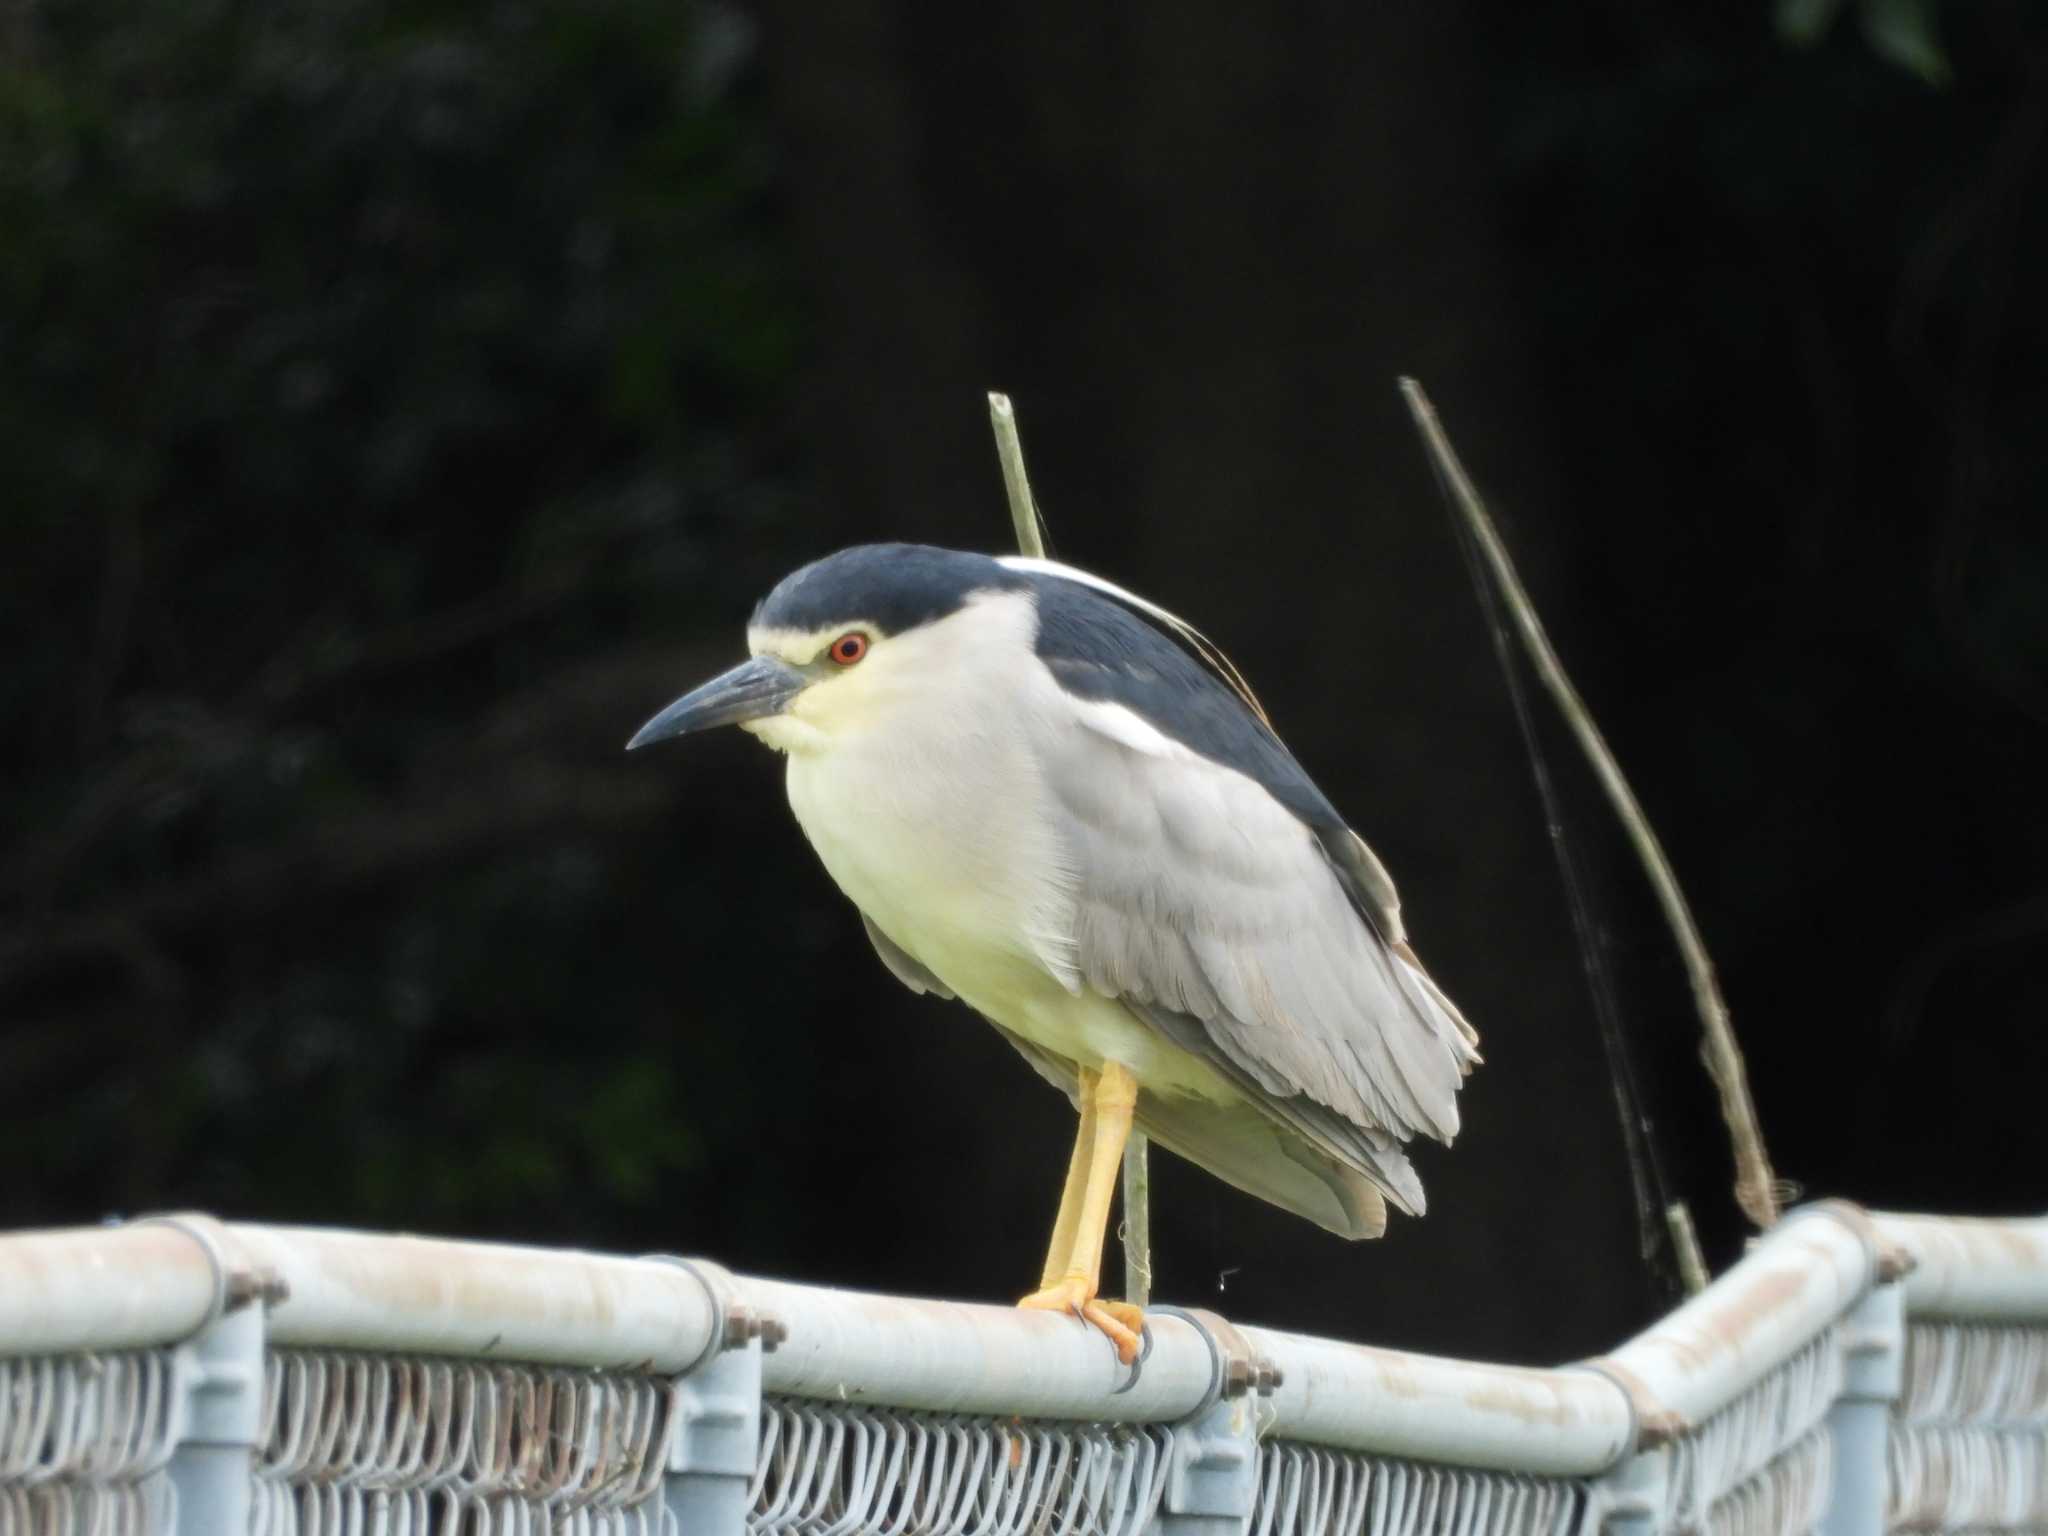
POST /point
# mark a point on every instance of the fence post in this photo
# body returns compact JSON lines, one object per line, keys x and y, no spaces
{"x":213,"y":1467}
{"x":218,"y":1379}
{"x":1212,"y":1470}
{"x":1859,"y":1424}
{"x":1633,"y":1498}
{"x":716,"y":1443}
{"x":715,"y":1440}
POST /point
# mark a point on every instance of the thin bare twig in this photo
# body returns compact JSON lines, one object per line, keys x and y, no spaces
{"x":1002,"y":418}
{"x":1755,"y":1189}
{"x":1136,"y":1229}
{"x":1685,"y":1242}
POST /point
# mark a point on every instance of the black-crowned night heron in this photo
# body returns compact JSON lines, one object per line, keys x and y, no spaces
{"x":1056,"y":802}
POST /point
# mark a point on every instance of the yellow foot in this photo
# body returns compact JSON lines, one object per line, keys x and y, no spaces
{"x":1119,"y":1320}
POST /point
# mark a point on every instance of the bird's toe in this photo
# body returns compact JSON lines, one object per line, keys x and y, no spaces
{"x":1130,"y":1314}
{"x":1121,"y":1322}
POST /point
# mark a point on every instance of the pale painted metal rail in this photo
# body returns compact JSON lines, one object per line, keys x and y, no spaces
{"x":1852,"y":1374}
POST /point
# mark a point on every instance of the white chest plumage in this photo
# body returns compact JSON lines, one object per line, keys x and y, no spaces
{"x":923,"y":805}
{"x":927,"y":811}
{"x":956,"y":873}
{"x":957,"y":894}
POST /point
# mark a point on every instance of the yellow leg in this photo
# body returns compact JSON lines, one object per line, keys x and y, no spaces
{"x":1114,"y":1094}
{"x":1060,"y":1252}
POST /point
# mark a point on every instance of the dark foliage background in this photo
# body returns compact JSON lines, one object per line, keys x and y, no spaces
{"x":399,"y":401}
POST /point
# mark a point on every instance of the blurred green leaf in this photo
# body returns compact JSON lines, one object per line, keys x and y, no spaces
{"x":1804,"y":22}
{"x":1904,"y":32}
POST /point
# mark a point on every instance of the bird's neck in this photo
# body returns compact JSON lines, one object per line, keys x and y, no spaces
{"x":788,"y":735}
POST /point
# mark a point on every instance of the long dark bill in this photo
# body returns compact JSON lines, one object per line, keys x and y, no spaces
{"x":750,"y":691}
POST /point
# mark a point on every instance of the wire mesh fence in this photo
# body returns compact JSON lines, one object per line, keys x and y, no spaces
{"x":833,"y":1469}
{"x":1309,"y":1490}
{"x":85,"y":1441}
{"x":1969,"y":1440}
{"x":357,"y":1442}
{"x":1763,"y":1464}
{"x":360,"y":1408}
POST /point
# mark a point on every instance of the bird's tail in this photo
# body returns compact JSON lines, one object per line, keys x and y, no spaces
{"x":1244,"y":1148}
{"x":1468,"y":1037}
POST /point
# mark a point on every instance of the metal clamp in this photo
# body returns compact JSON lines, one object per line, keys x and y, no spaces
{"x":1651,"y":1425}
{"x":735,"y":1323}
{"x":1235,"y":1367}
{"x":234,"y":1285}
{"x":1888,"y":1261}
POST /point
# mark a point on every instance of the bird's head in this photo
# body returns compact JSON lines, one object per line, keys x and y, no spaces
{"x":845,"y":642}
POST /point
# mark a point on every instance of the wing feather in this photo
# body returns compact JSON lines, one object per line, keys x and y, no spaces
{"x":1220,"y":917}
{"x":902,"y":965}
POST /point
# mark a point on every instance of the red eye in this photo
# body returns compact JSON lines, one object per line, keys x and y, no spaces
{"x":848,"y":649}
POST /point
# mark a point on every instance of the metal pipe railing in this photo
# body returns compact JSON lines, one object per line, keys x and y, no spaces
{"x":104,"y":1288}
{"x":353,"y":1290}
{"x":1569,"y":1422}
{"x":160,"y":1281}
{"x":1794,"y":1282}
{"x":1974,"y":1268}
{"x":958,"y":1357}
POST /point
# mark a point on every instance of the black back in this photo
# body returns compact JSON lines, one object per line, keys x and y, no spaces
{"x":1102,"y":649}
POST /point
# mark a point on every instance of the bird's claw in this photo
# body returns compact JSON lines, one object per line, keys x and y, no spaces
{"x":1138,"y":1365}
{"x":1119,"y":1321}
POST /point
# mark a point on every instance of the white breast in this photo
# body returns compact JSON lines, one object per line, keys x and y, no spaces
{"x":960,"y":894}
{"x":928,"y":814}
{"x":924,"y":808}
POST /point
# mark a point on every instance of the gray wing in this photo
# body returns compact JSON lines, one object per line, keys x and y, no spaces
{"x":905,"y":969}
{"x":1238,"y":1143}
{"x":1223,"y":921}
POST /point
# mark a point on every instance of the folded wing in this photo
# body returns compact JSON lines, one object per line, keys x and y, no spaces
{"x":1219,"y":917}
